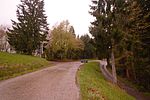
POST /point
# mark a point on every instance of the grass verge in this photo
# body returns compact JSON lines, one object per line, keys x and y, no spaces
{"x":93,"y":85}
{"x":12,"y":65}
{"x":133,"y":85}
{"x":130,"y":84}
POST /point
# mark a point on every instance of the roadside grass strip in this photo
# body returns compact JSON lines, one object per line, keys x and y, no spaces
{"x":93,"y":85}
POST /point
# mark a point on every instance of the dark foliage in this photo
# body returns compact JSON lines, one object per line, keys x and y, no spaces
{"x":31,"y":28}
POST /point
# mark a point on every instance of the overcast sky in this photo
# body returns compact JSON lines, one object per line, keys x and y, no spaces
{"x":76,"y":11}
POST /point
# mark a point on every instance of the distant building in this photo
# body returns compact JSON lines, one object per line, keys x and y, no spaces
{"x":4,"y":45}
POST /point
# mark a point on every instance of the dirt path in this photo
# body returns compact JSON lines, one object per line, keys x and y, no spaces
{"x":53,"y":83}
{"x":105,"y":72}
{"x":129,"y":90}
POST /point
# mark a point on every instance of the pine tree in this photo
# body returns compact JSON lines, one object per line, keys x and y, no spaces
{"x":31,"y":29}
{"x":89,"y":49}
{"x":142,"y":51}
{"x":107,"y":29}
{"x":97,"y":28}
{"x":124,"y":25}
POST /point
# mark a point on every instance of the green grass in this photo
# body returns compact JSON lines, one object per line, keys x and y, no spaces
{"x":12,"y":65}
{"x":147,"y":94}
{"x":93,"y":85}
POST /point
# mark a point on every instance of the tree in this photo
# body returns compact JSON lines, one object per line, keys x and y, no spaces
{"x":27,"y":34}
{"x":123,"y":26}
{"x":89,"y":48}
{"x":71,"y":30}
{"x":107,"y":29}
{"x":97,"y":28}
{"x":62,"y":43}
{"x":144,"y":79}
{"x":139,"y":30}
{"x":135,"y":56}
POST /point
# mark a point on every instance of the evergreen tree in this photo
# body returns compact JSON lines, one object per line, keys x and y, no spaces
{"x":136,"y":48}
{"x":141,"y":51}
{"x":108,"y":28}
{"x":89,"y":49}
{"x":124,"y":25}
{"x":72,"y":31}
{"x":31,"y":29}
{"x":97,"y":28}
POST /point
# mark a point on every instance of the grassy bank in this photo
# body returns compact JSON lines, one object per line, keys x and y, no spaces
{"x":93,"y":86}
{"x":131,"y":84}
{"x":12,"y":65}
{"x":135,"y":86}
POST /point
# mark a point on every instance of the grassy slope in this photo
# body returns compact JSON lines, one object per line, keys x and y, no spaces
{"x":133,"y":85}
{"x":93,"y":86}
{"x":129,"y":83}
{"x":12,"y":65}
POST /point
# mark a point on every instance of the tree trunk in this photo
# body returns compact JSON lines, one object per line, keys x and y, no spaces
{"x":108,"y":62}
{"x":127,"y":73}
{"x":133,"y":69}
{"x":113,"y":64}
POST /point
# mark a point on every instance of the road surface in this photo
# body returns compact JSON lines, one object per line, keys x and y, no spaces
{"x":53,"y":83}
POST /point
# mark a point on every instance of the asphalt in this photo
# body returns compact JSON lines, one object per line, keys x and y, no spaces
{"x":53,"y":83}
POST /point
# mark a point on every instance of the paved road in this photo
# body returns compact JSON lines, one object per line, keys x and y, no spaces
{"x":53,"y":83}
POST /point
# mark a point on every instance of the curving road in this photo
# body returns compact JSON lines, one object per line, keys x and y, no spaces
{"x":53,"y":83}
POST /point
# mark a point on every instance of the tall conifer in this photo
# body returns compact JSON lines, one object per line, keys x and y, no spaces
{"x":31,"y":29}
